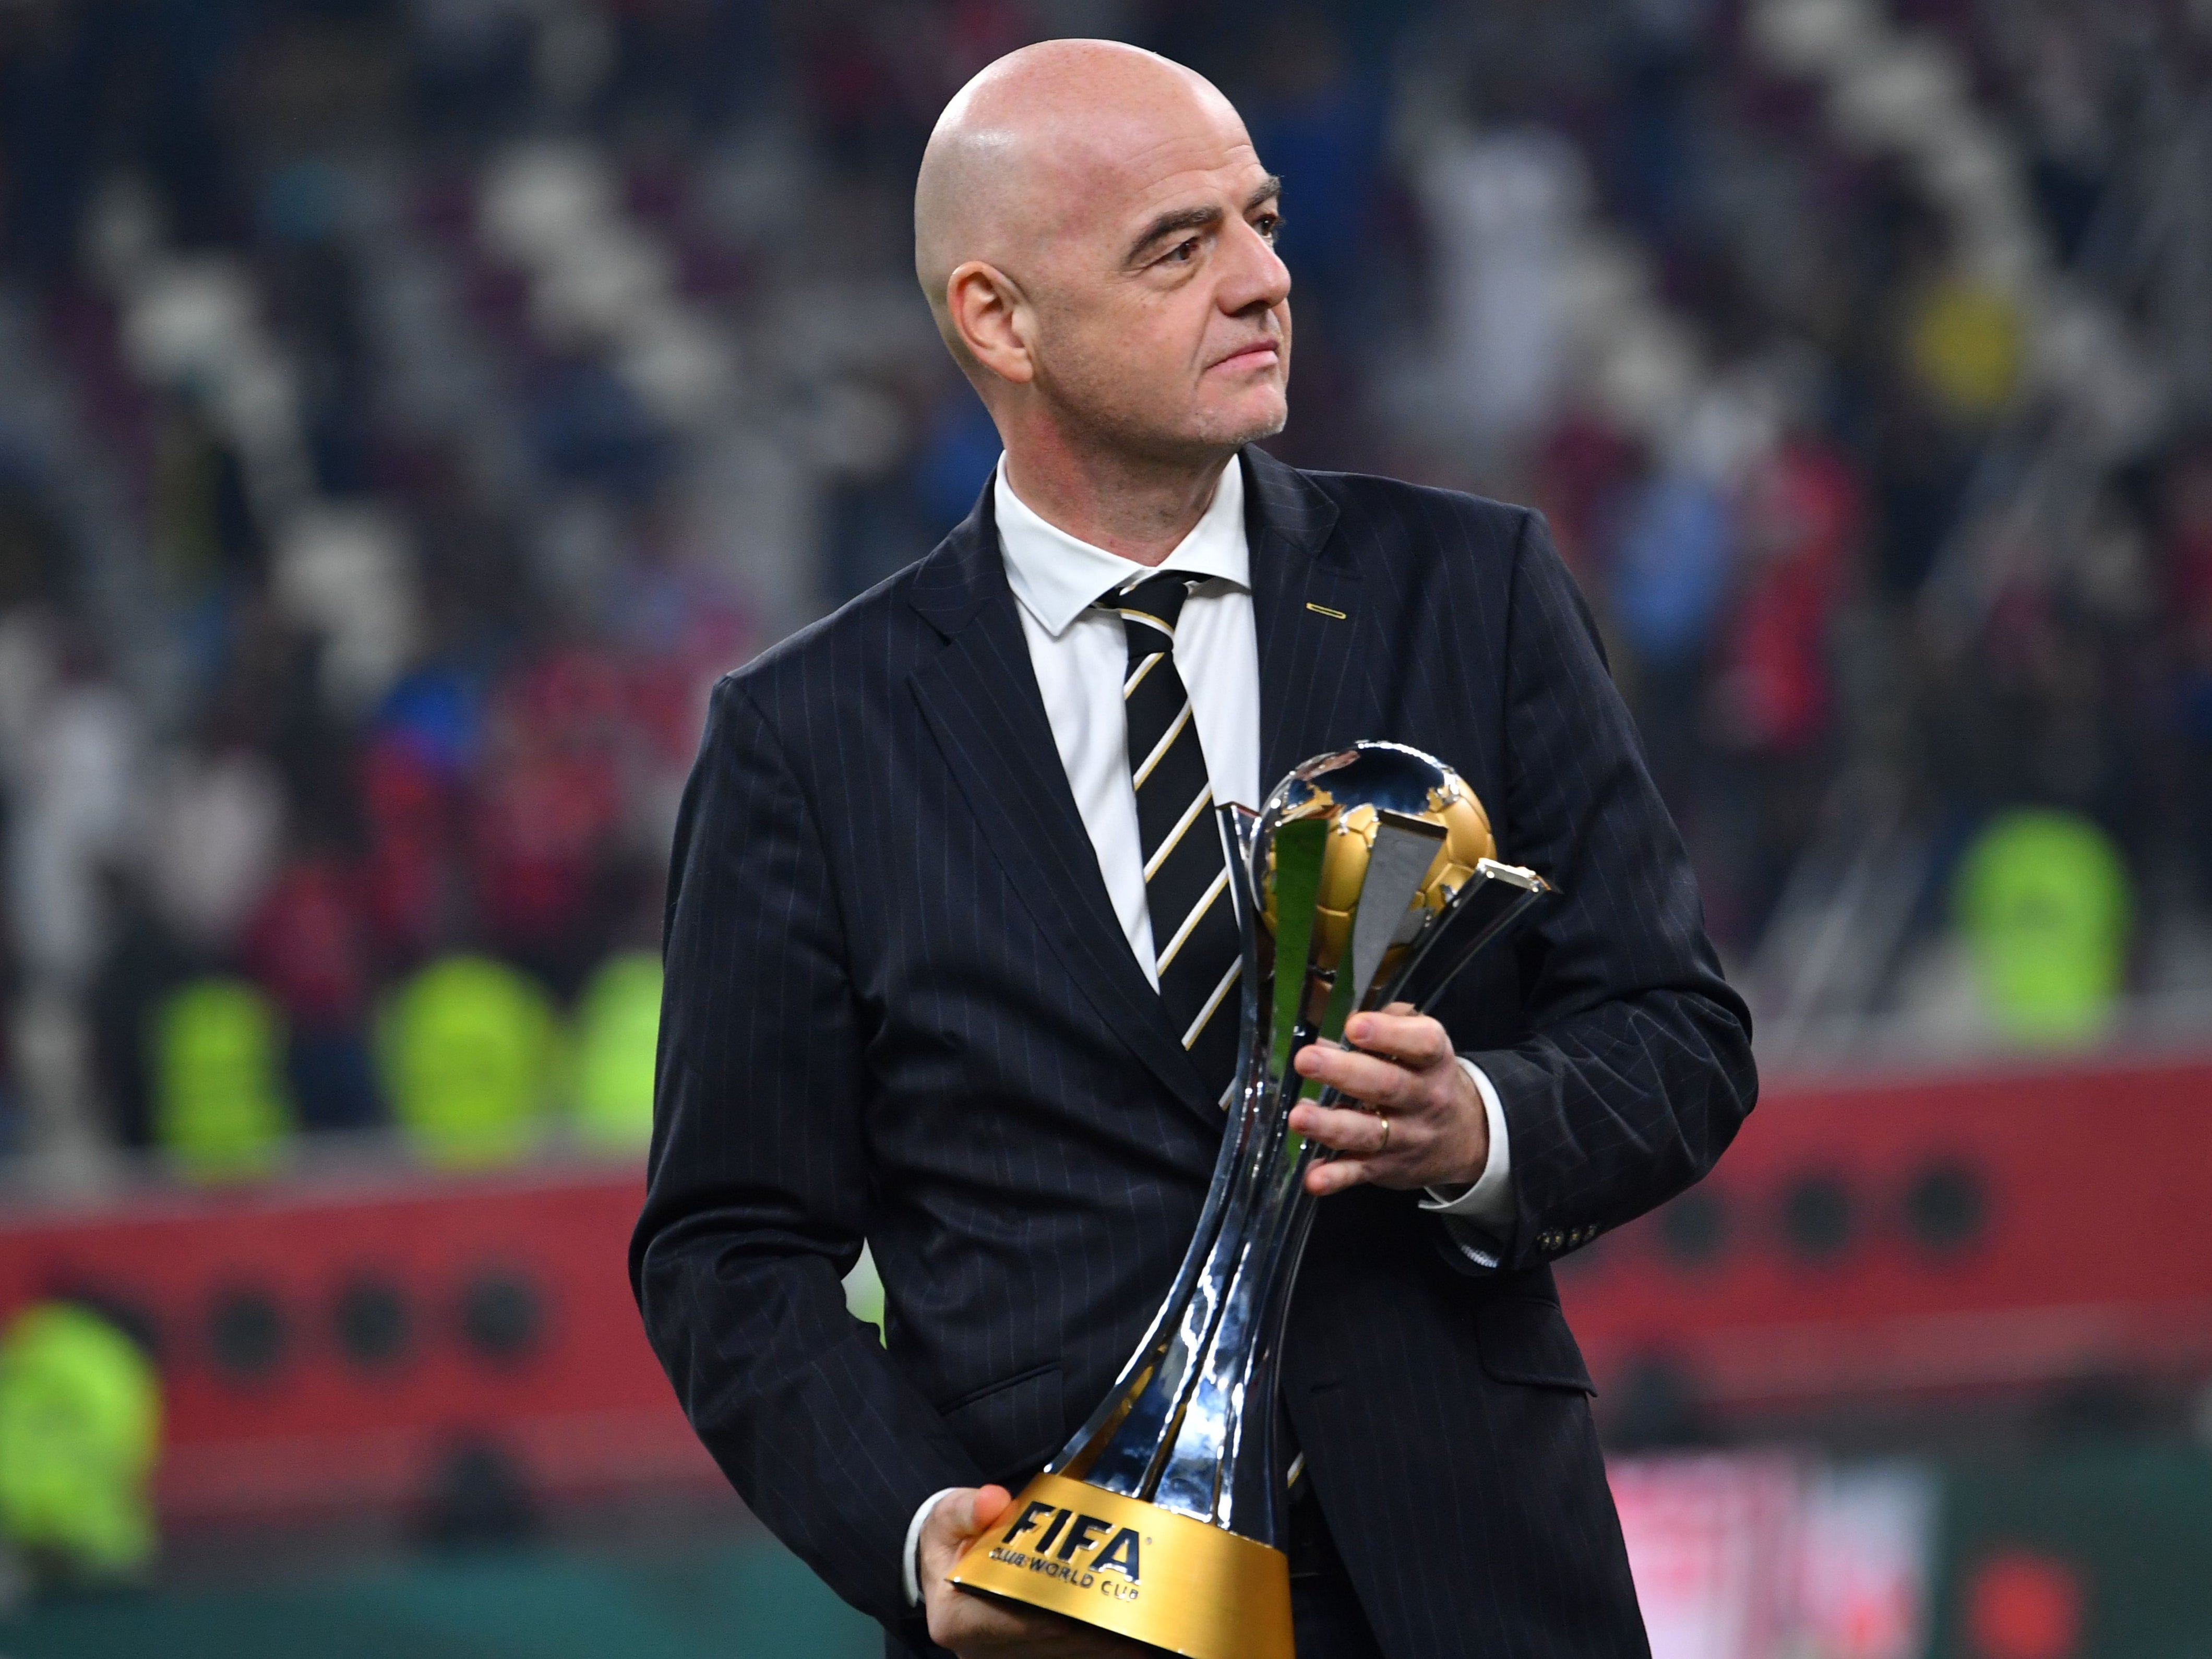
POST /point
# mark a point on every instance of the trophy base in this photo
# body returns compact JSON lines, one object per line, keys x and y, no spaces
{"x":1137,"y":1569}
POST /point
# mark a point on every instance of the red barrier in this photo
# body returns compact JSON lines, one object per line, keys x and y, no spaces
{"x":1999,"y":1229}
{"x":326,"y":1347}
{"x":326,"y":1344}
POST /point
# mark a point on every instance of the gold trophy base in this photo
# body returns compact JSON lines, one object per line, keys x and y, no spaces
{"x":1137,"y":1569}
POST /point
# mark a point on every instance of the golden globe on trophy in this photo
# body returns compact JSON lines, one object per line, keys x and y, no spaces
{"x":1368,"y":877}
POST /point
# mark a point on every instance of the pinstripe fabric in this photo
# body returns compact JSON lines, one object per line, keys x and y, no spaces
{"x":1186,"y":867}
{"x":899,"y":1007}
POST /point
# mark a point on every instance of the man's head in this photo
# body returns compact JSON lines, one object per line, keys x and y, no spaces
{"x":1096,"y":236}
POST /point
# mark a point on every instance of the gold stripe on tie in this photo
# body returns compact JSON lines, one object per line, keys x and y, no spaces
{"x":1166,"y":743}
{"x":1149,"y":621}
{"x":1143,"y":669}
{"x":1213,"y":1002}
{"x":1197,"y":914}
{"x":1168,"y":846}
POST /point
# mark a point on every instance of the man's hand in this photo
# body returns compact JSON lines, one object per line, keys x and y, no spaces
{"x":1425,"y":1126}
{"x":982,"y":1627}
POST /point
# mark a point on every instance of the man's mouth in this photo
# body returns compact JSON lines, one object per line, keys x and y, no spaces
{"x":1261,"y":354}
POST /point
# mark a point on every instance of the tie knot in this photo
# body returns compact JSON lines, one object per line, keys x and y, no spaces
{"x":1154,"y":603}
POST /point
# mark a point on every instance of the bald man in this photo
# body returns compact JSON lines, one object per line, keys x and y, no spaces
{"x":946,"y":973}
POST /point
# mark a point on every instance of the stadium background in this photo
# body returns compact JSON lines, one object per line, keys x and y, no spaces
{"x":406,"y":410}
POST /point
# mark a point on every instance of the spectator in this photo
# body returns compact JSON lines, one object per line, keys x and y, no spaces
{"x":1669,"y":574}
{"x":308,"y":944}
{"x":386,"y":640}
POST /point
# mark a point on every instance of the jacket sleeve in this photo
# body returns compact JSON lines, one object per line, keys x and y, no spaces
{"x":1635,"y":1069}
{"x":756,"y":1198}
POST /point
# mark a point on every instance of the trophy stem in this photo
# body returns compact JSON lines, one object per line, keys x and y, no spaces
{"x":1223,"y":1466}
{"x":1183,"y":1392}
{"x":1149,"y":1384}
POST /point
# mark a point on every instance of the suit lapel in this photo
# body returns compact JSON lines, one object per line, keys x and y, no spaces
{"x":1316,"y":687}
{"x":980,"y":697}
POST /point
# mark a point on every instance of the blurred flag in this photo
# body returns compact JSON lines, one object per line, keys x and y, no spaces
{"x":80,"y":1430}
{"x":470,"y":1051}
{"x":1761,"y":1555}
{"x":617,"y":1030}
{"x":221,"y":1107}
{"x":2045,"y":905}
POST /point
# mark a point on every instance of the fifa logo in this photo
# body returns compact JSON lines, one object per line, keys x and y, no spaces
{"x":1076,"y":1536}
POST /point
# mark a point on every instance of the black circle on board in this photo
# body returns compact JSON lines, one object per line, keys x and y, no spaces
{"x":248,"y":1334}
{"x":374,"y":1328}
{"x":1693,"y":1229}
{"x":502,"y":1316}
{"x":1946,"y":1208}
{"x":1817,"y":1218}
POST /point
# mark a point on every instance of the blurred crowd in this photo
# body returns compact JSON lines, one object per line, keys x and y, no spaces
{"x":412,"y":407}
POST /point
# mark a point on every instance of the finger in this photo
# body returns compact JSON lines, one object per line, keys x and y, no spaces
{"x":960,"y":1619}
{"x":1416,"y":1039}
{"x":1361,"y":1134}
{"x":988,"y":1624}
{"x":1072,"y":1641}
{"x":970,"y":1624}
{"x":1336,"y":1175}
{"x":1361,"y":1077}
{"x":1089,"y":1643}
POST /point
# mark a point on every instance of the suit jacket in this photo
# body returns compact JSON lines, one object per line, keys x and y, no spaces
{"x":899,"y":1008}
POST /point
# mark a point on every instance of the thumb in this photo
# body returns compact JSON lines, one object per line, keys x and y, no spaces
{"x":988,"y":1503}
{"x":966,"y":1513}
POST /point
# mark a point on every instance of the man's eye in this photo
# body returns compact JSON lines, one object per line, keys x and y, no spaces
{"x":1185,"y":252}
{"x":1267,"y":224}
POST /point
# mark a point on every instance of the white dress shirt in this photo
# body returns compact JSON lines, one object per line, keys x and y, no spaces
{"x":1081,"y":657}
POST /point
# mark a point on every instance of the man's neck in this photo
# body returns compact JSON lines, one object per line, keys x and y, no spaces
{"x":1138,"y":508}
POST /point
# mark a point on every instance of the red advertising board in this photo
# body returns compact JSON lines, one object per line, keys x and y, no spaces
{"x":326,"y":1342}
{"x":1982,"y":1230}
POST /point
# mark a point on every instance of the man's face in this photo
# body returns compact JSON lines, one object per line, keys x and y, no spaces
{"x":1162,"y":316}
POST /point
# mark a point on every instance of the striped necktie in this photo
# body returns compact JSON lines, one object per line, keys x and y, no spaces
{"x":1195,"y":949}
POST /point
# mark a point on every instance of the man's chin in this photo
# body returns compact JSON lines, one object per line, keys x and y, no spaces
{"x":1206,"y":431}
{"x":1254,"y":419}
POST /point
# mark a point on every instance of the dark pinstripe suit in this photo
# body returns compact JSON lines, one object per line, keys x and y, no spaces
{"x":899,"y":1006}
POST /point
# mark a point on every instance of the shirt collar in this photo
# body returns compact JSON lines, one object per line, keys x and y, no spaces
{"x":1058,"y":578}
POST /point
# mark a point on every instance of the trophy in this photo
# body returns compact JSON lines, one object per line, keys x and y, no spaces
{"x":1367,"y":878}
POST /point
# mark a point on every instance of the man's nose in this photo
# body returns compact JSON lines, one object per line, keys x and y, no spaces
{"x":1255,"y":274}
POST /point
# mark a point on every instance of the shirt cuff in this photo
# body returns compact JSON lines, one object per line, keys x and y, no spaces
{"x":1488,"y":1203}
{"x":910,"y":1563}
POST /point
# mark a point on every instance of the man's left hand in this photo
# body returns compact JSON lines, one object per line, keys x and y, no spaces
{"x":1424,"y":1125}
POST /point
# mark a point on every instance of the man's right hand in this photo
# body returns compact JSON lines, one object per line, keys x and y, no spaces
{"x":984,"y":1627}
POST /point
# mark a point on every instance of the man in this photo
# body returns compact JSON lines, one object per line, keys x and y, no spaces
{"x":946,"y":972}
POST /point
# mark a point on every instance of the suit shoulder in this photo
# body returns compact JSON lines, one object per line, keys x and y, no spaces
{"x":870,"y":628}
{"x":1369,"y":497}
{"x":1455,"y":536}
{"x":1412,"y":526}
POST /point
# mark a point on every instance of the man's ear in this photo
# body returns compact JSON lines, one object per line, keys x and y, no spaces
{"x":989,"y":318}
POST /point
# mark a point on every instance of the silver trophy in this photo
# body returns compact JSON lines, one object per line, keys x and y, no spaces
{"x":1368,"y":878}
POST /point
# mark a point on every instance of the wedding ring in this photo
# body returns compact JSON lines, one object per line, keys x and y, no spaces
{"x":1385,"y":1147}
